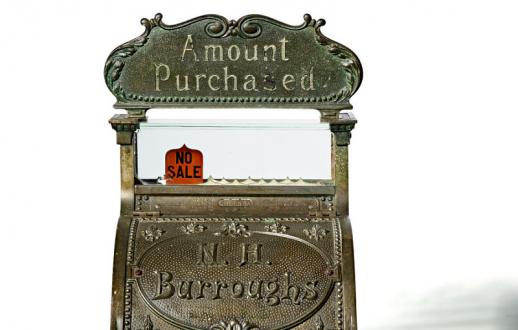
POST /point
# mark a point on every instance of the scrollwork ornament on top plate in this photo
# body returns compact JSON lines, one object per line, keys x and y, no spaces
{"x":348,"y":61}
{"x":249,"y":26}
{"x":116,"y":60}
{"x":223,"y":28}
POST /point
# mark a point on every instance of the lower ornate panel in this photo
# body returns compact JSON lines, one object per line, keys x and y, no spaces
{"x":234,"y":274}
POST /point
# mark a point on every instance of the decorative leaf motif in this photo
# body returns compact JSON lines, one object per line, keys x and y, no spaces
{"x":316,"y":232}
{"x":276,"y":228}
{"x":192,"y":229}
{"x":148,"y":324}
{"x":152,"y":233}
{"x":233,"y":325}
{"x":233,"y":229}
{"x":319,"y":324}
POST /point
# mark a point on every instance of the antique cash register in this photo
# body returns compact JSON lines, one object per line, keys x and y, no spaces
{"x":198,"y":251}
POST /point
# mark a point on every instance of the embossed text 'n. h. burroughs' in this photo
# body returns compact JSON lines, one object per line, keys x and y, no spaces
{"x":224,"y":79}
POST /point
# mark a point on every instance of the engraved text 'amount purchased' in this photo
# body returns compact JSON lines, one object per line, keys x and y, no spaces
{"x":227,"y":80}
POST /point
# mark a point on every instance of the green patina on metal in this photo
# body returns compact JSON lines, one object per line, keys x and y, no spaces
{"x":255,"y":61}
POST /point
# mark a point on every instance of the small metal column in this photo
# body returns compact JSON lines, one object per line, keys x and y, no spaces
{"x":125,"y":126}
{"x":341,"y":127}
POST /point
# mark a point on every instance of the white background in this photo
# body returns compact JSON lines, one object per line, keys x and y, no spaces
{"x":240,"y":149}
{"x":434,"y":183}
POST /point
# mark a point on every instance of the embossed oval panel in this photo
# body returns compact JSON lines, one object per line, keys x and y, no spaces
{"x":270,"y":280}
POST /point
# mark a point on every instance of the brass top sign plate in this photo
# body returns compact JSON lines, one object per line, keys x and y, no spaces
{"x":255,"y":61}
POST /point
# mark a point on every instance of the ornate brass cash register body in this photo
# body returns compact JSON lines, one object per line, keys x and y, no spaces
{"x":233,"y":254}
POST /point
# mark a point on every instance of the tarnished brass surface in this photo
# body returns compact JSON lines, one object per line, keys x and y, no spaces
{"x":199,"y":272}
{"x":233,"y":254}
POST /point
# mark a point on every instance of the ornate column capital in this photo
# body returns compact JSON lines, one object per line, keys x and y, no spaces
{"x":342,"y":128}
{"x":125,"y":126}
